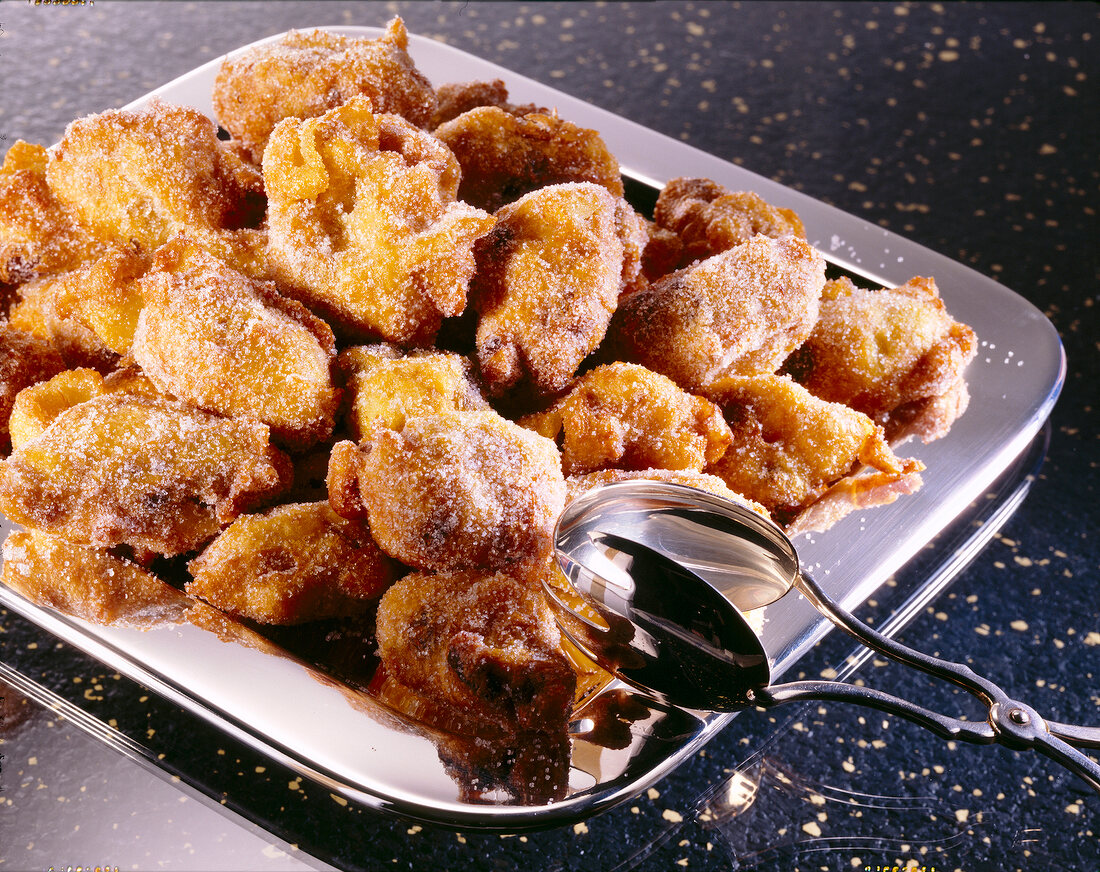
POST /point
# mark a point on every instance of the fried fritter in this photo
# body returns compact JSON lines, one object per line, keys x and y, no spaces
{"x":579,"y":484}
{"x":140,"y":470}
{"x":789,"y":446}
{"x":295,"y":563}
{"x":624,"y":415}
{"x":88,"y":583}
{"x":504,"y":156}
{"x":364,"y":226}
{"x":453,"y":490}
{"x":230,"y":344}
{"x":35,"y":407}
{"x":483,"y":643}
{"x":894,"y":354}
{"x":710,"y":218}
{"x":386,"y":388}
{"x":38,"y":312}
{"x":305,"y":74}
{"x":455,"y":98}
{"x":38,"y":235}
{"x":548,"y":280}
{"x":740,"y":312}
{"x":25,"y":360}
{"x":144,"y":175}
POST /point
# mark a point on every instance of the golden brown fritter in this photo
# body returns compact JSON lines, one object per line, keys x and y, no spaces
{"x":305,"y":74}
{"x":38,"y":235}
{"x":740,"y":312}
{"x":140,"y":470}
{"x":385,"y":388}
{"x":144,"y":175}
{"x":894,"y":354}
{"x":710,"y":218}
{"x":626,"y":416}
{"x":789,"y":446}
{"x":25,"y":360}
{"x":455,"y":98}
{"x":579,"y":484}
{"x":38,"y":312}
{"x":35,"y":407}
{"x":483,"y":643}
{"x":548,"y":280}
{"x":364,"y":226}
{"x":504,"y":156}
{"x":230,"y":344}
{"x":453,"y":490}
{"x":88,"y":583}
{"x":294,"y":563}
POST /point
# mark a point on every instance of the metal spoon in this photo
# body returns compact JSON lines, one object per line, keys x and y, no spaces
{"x":662,"y":573}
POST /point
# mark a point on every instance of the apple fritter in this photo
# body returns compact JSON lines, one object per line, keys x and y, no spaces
{"x":741,"y":312}
{"x":140,"y":470}
{"x":385,"y":388}
{"x":455,"y":98}
{"x":364,"y":226}
{"x":894,"y":354}
{"x":483,"y":643}
{"x":89,"y":583}
{"x":548,"y":279}
{"x":38,"y":311}
{"x":25,"y":360}
{"x":789,"y":446}
{"x":579,"y":484}
{"x":294,"y":563}
{"x":305,"y":74}
{"x":35,"y":407}
{"x":710,"y":218}
{"x":504,"y":156}
{"x":38,"y":235}
{"x":626,"y":416}
{"x":143,"y":175}
{"x":453,"y":490}
{"x":231,"y":344}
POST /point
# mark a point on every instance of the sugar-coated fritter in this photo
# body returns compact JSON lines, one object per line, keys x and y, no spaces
{"x":481,"y":642}
{"x":230,"y":344}
{"x":305,"y":74}
{"x":39,"y":309}
{"x":710,"y":219}
{"x":455,"y":98}
{"x":626,"y":416}
{"x":789,"y":446}
{"x":740,"y":312}
{"x":364,"y":226}
{"x":25,"y":360}
{"x":385,"y":387}
{"x":35,"y":407}
{"x":504,"y":156}
{"x":143,"y":175}
{"x":294,"y":563}
{"x":38,"y":235}
{"x":548,"y":279}
{"x":89,"y":583}
{"x":453,"y":490}
{"x":579,"y":484}
{"x":894,"y":354}
{"x":144,"y":471}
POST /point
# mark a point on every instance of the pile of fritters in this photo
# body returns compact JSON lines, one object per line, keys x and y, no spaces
{"x":359,"y":348}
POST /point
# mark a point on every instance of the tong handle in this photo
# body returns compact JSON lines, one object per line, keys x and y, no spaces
{"x":1010,"y":722}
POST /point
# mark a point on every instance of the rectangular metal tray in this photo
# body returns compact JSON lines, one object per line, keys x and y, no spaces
{"x":360,"y":750}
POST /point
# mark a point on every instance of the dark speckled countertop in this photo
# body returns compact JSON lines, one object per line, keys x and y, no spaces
{"x":971,"y":128}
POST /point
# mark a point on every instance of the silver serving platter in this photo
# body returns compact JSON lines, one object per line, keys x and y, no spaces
{"x":365,"y":753}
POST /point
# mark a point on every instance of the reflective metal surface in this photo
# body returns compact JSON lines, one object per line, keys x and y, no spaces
{"x":364,"y":753}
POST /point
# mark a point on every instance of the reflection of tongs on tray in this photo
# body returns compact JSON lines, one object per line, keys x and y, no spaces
{"x":637,"y":552}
